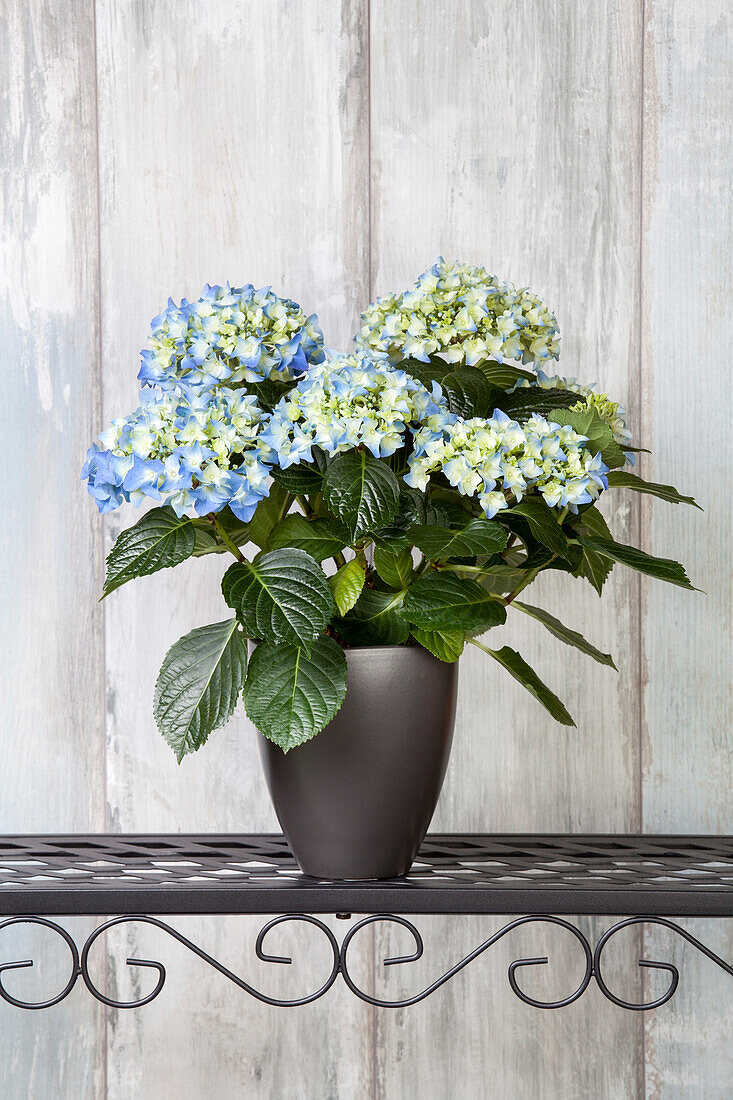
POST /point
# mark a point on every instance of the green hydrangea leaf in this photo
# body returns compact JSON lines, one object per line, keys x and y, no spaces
{"x":390,"y":539}
{"x":269,"y":391}
{"x":469,"y":394}
{"x":301,"y":480}
{"x":479,"y":537}
{"x":427,"y":373}
{"x":416,"y":507}
{"x":619,"y":479}
{"x":664,"y":569}
{"x":530,"y":401}
{"x":394,"y":569}
{"x":595,"y":569}
{"x":446,"y":645}
{"x":525,"y":675}
{"x":361,"y":491}
{"x":321,"y":538}
{"x":444,"y":601}
{"x":600,"y":437}
{"x":376,"y":619}
{"x":500,"y":579}
{"x":542,"y":523}
{"x":591,"y":521}
{"x":199,"y":684}
{"x":282,"y":596}
{"x":206,"y":540}
{"x":268,"y":514}
{"x":503,"y":375}
{"x":346,"y":585}
{"x":291,"y":695}
{"x":159,"y":540}
{"x":565,"y":634}
{"x":592,"y":567}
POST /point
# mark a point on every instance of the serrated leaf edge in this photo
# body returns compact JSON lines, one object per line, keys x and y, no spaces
{"x":156,"y":694}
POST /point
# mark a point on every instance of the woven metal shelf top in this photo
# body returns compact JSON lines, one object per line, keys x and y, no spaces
{"x":454,"y":873}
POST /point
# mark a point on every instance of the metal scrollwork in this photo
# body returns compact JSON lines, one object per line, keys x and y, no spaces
{"x":669,"y":967}
{"x":75,"y":967}
{"x":404,"y":1003}
{"x":593,"y":962}
{"x":196,"y":950}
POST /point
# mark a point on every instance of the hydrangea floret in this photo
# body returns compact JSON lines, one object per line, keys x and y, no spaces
{"x":402,"y":495}
{"x":500,"y":461}
{"x":230,"y":335}
{"x":201,"y":450}
{"x":345,"y":402}
{"x":460,"y":313}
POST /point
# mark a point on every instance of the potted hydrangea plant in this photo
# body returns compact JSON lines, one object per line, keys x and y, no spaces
{"x":382,"y":510}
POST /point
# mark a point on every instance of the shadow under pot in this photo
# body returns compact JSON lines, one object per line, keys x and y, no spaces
{"x":356,"y":801}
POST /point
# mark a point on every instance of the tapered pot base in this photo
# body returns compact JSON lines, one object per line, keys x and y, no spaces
{"x":356,"y":801}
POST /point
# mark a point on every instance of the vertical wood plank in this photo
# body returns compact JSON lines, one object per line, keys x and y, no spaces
{"x":688,"y":166}
{"x":233,"y":145}
{"x":51,"y":687}
{"x":509,"y":134}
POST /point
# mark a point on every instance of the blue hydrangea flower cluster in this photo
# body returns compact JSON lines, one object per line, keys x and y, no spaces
{"x":461,"y":314}
{"x":202,"y":443}
{"x":609,"y":411}
{"x":345,"y":402}
{"x":230,"y":335}
{"x":500,"y":461}
{"x":200,"y":449}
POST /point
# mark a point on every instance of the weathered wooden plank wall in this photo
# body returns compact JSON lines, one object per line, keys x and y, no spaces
{"x":333,"y":150}
{"x":51,"y":684}
{"x":687,"y":747}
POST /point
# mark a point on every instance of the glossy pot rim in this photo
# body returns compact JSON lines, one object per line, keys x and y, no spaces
{"x":398,"y":652}
{"x":375,"y":649}
{"x":380,"y":648}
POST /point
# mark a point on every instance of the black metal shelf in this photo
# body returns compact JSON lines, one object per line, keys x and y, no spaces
{"x":646,"y":878}
{"x":454,"y":873}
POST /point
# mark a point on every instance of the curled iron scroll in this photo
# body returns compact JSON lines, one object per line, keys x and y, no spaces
{"x":417,"y":953}
{"x":648,"y":964}
{"x":75,"y":967}
{"x":196,"y":950}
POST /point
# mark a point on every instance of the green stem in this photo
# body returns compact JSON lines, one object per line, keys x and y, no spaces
{"x":480,"y":645}
{"x":225,"y":538}
{"x":522,"y":585}
{"x":464,"y":569}
{"x":339,"y":558}
{"x":303,"y":502}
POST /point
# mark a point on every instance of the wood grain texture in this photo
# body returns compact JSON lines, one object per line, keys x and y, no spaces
{"x":688,"y":168}
{"x":233,"y":145}
{"x":51,"y":687}
{"x":334,"y":149}
{"x":511,"y":137}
